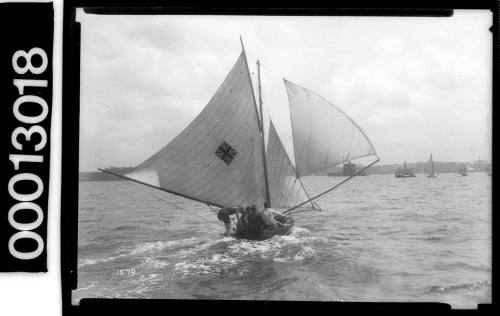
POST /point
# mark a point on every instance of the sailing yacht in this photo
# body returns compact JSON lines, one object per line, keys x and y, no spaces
{"x":432,"y":170}
{"x":221,"y":159}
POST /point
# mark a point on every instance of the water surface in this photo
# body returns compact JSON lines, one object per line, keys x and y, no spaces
{"x":378,"y":238}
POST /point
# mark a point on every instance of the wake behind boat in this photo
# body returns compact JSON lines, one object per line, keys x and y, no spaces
{"x":221,"y":158}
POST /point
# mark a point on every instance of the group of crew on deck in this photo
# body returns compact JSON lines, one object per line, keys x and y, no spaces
{"x":252,"y":223}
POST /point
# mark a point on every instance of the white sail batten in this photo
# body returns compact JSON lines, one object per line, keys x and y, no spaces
{"x":323,"y":135}
{"x":217,"y":159}
{"x":285,"y":188}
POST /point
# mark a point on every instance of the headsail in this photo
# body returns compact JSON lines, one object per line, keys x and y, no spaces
{"x":217,"y":159}
{"x":323,"y":135}
{"x":285,"y":188}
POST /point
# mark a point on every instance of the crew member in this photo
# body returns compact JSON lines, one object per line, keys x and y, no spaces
{"x":255,"y":224}
{"x":224,"y":216}
{"x":242,"y":223}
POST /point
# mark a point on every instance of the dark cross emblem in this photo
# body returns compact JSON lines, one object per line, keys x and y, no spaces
{"x":226,"y":153}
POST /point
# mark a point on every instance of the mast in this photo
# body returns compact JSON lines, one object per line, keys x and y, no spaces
{"x":260,"y":120}
{"x":263,"y":137}
{"x":432,"y":164}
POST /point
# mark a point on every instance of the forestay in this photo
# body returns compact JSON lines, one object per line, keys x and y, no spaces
{"x":323,"y":135}
{"x":285,"y":188}
{"x":217,"y":159}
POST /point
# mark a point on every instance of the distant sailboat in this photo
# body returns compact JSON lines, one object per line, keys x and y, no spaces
{"x":432,"y":170}
{"x":405,"y":172}
{"x":220,"y":159}
{"x":463,"y":169}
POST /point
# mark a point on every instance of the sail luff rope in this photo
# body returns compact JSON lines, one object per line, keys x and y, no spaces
{"x":261,"y":128}
{"x":345,"y":114}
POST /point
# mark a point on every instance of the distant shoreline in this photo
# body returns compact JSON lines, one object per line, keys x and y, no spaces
{"x":419,"y":168}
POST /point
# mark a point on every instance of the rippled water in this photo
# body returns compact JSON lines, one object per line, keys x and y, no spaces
{"x":378,"y":238}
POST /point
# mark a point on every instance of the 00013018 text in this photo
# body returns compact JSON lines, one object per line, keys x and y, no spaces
{"x":25,"y":201}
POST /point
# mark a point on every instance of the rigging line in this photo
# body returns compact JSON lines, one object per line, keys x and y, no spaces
{"x":302,"y":211}
{"x":171,"y":203}
{"x":287,"y":157}
{"x":261,"y":128}
{"x":334,"y":187}
{"x":179,"y":207}
{"x":176,"y":205}
{"x":279,"y":138}
{"x":155,"y":187}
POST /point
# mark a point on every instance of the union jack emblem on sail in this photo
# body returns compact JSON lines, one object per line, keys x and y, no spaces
{"x":226,"y":153}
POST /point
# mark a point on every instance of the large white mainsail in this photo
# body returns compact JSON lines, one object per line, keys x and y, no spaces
{"x":218,"y":158}
{"x":285,"y":188}
{"x":323,"y":135}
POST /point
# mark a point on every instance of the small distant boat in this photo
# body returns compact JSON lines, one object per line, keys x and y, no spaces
{"x":405,"y":172}
{"x":432,"y":171}
{"x":463,"y":169}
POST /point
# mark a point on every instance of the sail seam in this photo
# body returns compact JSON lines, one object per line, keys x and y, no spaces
{"x":203,"y":114}
{"x":310,"y":127}
{"x":195,"y":134}
{"x":192,"y":154}
{"x":330,"y":141}
{"x":239,"y":131}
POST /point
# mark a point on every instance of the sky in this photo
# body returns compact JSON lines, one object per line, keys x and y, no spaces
{"x":415,"y":86}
